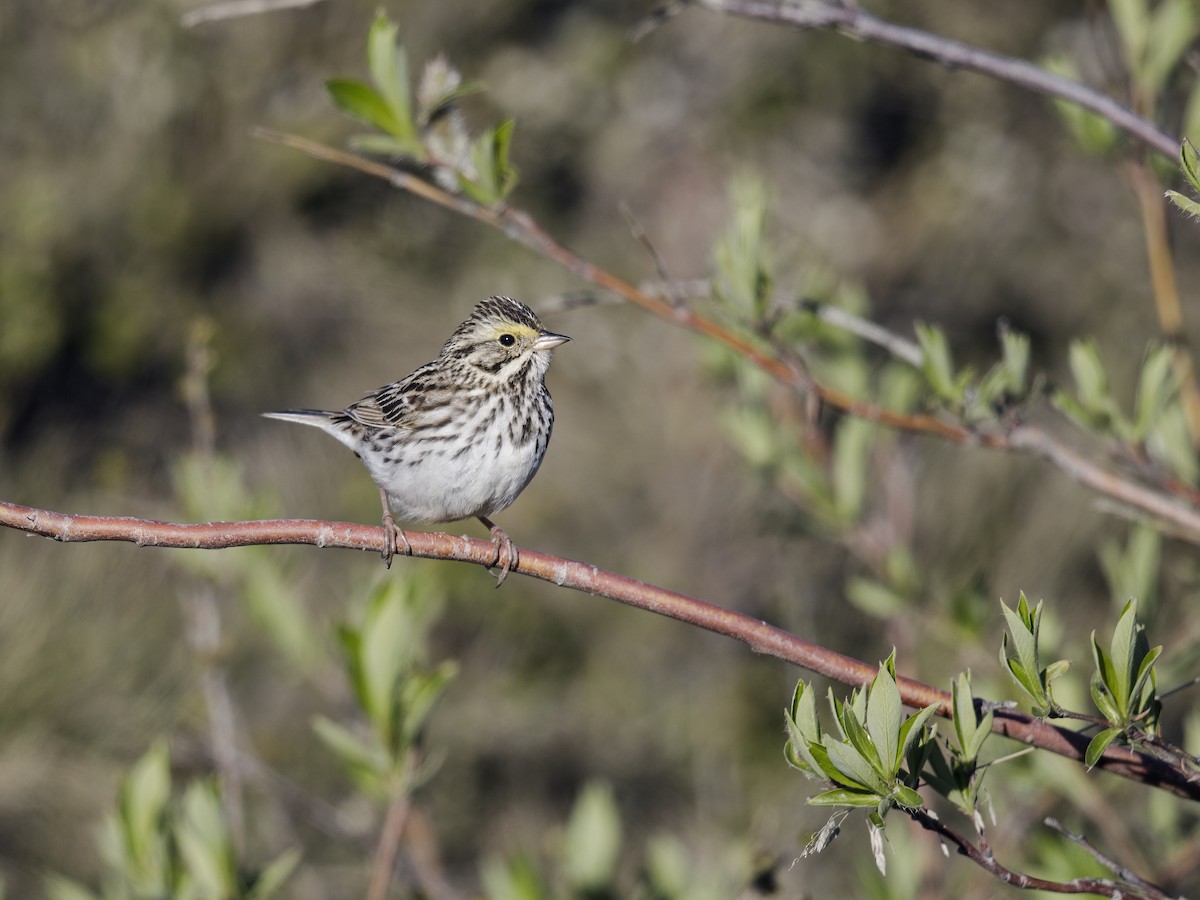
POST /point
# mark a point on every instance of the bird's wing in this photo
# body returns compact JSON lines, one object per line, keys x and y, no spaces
{"x":394,"y":405}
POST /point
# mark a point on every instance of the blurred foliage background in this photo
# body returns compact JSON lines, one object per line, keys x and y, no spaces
{"x":140,"y":218}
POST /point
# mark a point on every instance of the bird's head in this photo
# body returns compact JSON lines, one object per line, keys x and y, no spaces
{"x":502,"y":339}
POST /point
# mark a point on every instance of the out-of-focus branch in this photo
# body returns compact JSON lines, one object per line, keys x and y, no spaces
{"x":1167,"y":304}
{"x":236,"y":9}
{"x":1184,"y":520}
{"x":389,"y":843}
{"x":1140,"y":885}
{"x":851,"y":20}
{"x":760,"y":636}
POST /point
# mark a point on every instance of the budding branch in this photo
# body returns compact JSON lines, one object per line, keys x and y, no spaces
{"x":760,"y":636}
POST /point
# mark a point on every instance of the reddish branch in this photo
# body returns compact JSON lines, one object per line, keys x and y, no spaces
{"x":760,"y":636}
{"x":1183,"y":520}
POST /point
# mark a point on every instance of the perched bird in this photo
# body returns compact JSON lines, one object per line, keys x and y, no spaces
{"x":461,"y":436}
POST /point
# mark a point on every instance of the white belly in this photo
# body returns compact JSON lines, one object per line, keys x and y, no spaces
{"x":437,"y":480}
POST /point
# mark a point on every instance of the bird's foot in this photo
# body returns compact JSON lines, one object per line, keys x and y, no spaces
{"x":394,"y":541}
{"x":506,"y":550}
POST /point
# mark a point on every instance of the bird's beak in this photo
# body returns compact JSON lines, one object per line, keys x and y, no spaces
{"x":548,"y":340}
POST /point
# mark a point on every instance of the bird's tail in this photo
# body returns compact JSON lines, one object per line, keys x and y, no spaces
{"x":318,"y":417}
{"x":332,"y":423}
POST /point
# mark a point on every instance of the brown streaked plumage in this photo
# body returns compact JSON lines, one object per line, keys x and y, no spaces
{"x":461,"y":436}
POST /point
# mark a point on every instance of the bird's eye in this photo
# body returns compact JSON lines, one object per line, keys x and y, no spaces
{"x":507,"y":340}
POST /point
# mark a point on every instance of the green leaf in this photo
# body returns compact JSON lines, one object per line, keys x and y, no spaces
{"x":1172,"y":29}
{"x":391,"y":637}
{"x":1132,"y":19}
{"x":1095,"y":407}
{"x":592,"y":844}
{"x":856,"y":771}
{"x":860,"y":740}
{"x":669,"y":867}
{"x":368,"y":764}
{"x":794,"y":759}
{"x":142,"y":811}
{"x":803,"y":728}
{"x":1102,"y":696}
{"x":856,"y":704}
{"x":1144,"y":683}
{"x":804,"y":711}
{"x":1099,"y":744}
{"x":1022,"y":661}
{"x":1022,"y":627}
{"x":204,"y":842}
{"x":1094,"y":133}
{"x":963,"y":703}
{"x":825,"y":767}
{"x":982,"y":733}
{"x":1075,"y":411}
{"x":842,"y":797}
{"x":275,"y":874}
{"x":912,"y":728}
{"x":907,"y":797}
{"x":741,"y":257}
{"x":1187,"y":205}
{"x":417,"y":697}
{"x":361,"y":102}
{"x":59,"y":888}
{"x":1055,"y":670}
{"x":276,"y":606}
{"x":1171,"y":442}
{"x":350,"y":641}
{"x":515,"y":879}
{"x":884,"y":713}
{"x":851,"y":456}
{"x":1016,"y":352}
{"x":1189,"y":159}
{"x":1122,"y":653}
{"x":873,"y":597}
{"x":496,"y":175}
{"x":389,"y":70}
{"x":1156,"y":390}
{"x":1091,"y":382}
{"x":1132,"y":570}
{"x":1104,"y":667}
{"x":936,"y":362}
{"x":1018,"y":673}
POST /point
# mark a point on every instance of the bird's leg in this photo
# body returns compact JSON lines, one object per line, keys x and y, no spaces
{"x":394,"y":539}
{"x":506,"y":550}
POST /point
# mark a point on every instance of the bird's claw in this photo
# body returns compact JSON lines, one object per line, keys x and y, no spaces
{"x":506,"y":551}
{"x":394,"y":541}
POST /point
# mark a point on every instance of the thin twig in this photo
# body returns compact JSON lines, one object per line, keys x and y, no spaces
{"x":521,"y":227}
{"x":1179,"y":687}
{"x":1102,"y":886}
{"x":900,"y":347}
{"x":199,"y":602}
{"x":639,"y":234}
{"x":851,"y":20}
{"x":655,"y":19}
{"x":1122,"y":872}
{"x":235,"y":9}
{"x":204,"y":637}
{"x":389,"y":844}
{"x":758,"y":635}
